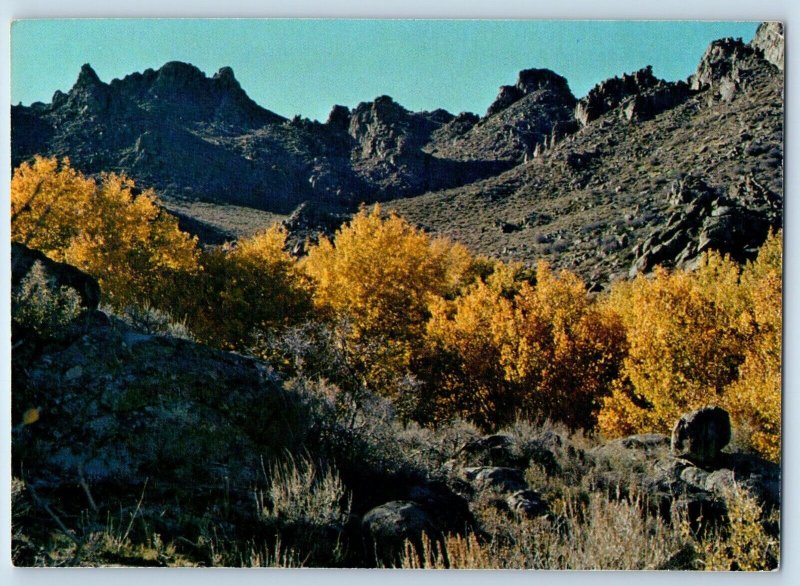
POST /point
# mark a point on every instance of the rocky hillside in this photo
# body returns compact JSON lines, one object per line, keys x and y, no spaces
{"x":137,"y":448}
{"x":656,"y":173}
{"x":641,"y":171}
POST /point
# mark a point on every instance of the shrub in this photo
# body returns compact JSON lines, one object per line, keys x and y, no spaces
{"x":543,"y":350}
{"x":379,"y":275}
{"x":245,"y":287}
{"x":37,"y":304}
{"x":685,"y":345}
{"x":696,"y":338}
{"x":308,"y":507}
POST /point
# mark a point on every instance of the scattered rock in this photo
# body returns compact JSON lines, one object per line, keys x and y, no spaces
{"x":699,"y":436}
{"x":497,"y":478}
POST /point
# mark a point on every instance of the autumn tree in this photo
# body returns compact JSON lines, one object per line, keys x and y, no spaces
{"x":542,"y":351}
{"x":755,"y":398}
{"x":379,"y":275}
{"x":685,"y":346}
{"x":247,"y":287}
{"x":131,"y":245}
{"x":712,"y":336}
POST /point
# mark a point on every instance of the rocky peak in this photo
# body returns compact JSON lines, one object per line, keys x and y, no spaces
{"x":769,"y":40}
{"x":87,"y":77}
{"x":720,"y":62}
{"x":339,"y":117}
{"x":89,"y":96}
{"x":643,"y":94}
{"x":529,"y":82}
{"x":181,"y":89}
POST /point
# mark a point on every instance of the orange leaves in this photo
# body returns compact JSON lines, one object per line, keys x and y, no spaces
{"x":545,"y":352}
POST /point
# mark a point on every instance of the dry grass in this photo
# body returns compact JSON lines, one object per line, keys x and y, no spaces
{"x":604,"y":534}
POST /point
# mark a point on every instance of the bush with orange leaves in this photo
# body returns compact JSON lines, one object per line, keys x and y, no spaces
{"x":541,"y":351}
{"x":711,"y":336}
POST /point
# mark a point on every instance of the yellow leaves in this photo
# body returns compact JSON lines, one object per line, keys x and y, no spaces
{"x":252,"y":285}
{"x":30,"y":416}
{"x":713,"y":335}
{"x":545,"y":351}
{"x":127,"y":242}
{"x":48,"y":204}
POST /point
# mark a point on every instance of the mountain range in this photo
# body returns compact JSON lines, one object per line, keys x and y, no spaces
{"x":639,"y":172}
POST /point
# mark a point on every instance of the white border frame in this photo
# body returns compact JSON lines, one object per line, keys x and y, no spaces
{"x":784,"y":10}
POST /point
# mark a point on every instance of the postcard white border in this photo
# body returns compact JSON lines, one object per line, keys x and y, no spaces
{"x":787,"y":11}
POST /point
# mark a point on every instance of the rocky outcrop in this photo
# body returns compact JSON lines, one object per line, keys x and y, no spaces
{"x":530,"y":81}
{"x":61,"y":274}
{"x":640,"y":95}
{"x":702,"y":218}
{"x":536,"y":111}
{"x":387,"y":527}
{"x":770,"y":41}
{"x":690,"y":472}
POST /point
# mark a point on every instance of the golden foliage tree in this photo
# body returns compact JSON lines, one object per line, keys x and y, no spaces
{"x":755,"y":398}
{"x":127,"y":242}
{"x":245,"y":288}
{"x":379,"y":274}
{"x":712,"y":336}
{"x":546,"y":351}
{"x":685,"y":345}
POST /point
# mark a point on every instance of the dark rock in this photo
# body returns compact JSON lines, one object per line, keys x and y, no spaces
{"x":497,"y":478}
{"x":529,"y":82}
{"x":644,"y":94}
{"x":492,"y":450}
{"x":507,"y":95}
{"x":23,"y":258}
{"x":388,"y":526}
{"x":699,"y":436}
{"x":704,"y":218}
{"x":527,"y":504}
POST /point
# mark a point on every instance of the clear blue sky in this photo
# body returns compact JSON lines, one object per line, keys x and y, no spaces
{"x":306,"y":66}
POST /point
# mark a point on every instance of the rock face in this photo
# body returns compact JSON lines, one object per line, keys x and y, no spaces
{"x":699,"y":436}
{"x":702,"y":218}
{"x":769,"y":39}
{"x":641,"y":94}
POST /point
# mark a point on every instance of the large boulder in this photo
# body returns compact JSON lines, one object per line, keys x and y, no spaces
{"x":387,"y":527}
{"x":59,"y":274}
{"x":701,"y":435}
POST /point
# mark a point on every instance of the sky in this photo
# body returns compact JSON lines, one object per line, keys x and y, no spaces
{"x":306,"y":66}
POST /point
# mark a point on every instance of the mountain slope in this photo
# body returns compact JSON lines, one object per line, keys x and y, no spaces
{"x":639,"y":172}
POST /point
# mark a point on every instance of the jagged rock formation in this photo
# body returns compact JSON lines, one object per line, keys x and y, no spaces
{"x":600,"y":200}
{"x":585,"y":184}
{"x":769,"y":40}
{"x":641,"y":96}
{"x":701,"y":218}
